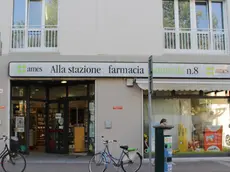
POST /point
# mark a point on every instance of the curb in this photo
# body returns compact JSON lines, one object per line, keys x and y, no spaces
{"x":145,"y":161}
{"x":196,"y":159}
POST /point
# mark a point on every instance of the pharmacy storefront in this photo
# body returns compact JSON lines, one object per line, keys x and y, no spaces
{"x":192,"y":97}
{"x":195,"y":99}
{"x":66,"y":106}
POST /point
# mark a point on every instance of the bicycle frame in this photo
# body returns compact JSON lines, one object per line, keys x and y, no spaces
{"x":116,"y":161}
{"x":4,"y":151}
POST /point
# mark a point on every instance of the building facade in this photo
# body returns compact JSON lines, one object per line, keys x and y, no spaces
{"x":74,"y":71}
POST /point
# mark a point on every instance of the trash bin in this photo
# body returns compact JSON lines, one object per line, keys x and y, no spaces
{"x":14,"y":145}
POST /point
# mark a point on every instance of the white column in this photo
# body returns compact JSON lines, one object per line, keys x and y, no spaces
{"x":43,"y":30}
{"x":177,"y":24}
{"x":26,"y":23}
{"x":210,"y":38}
{"x":193,"y":25}
{"x":226,"y":25}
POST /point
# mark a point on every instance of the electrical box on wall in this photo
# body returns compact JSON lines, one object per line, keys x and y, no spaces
{"x":108,"y":124}
{"x":129,"y":82}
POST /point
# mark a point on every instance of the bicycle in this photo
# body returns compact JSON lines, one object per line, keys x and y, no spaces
{"x":127,"y":157}
{"x":10,"y":156}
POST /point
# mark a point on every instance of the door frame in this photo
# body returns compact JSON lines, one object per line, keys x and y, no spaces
{"x":47,"y":85}
{"x":65,"y":126}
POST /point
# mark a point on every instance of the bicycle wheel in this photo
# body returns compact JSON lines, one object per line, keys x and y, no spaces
{"x":132,"y":162}
{"x":13,"y":162}
{"x":97,"y":163}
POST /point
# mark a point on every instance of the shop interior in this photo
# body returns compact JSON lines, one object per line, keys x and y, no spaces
{"x":53,"y":117}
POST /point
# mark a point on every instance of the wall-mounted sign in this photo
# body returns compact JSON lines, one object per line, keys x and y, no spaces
{"x":137,"y":70}
{"x":2,"y":107}
{"x":117,"y":107}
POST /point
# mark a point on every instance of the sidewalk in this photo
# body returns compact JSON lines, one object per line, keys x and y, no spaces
{"x":71,"y":159}
{"x":207,"y":166}
{"x":43,"y":158}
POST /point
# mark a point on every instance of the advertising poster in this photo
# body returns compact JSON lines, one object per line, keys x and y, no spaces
{"x":20,"y":124}
{"x":213,"y":138}
{"x":168,"y":145}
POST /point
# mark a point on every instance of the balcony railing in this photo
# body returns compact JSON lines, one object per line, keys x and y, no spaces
{"x":34,"y":38}
{"x":200,"y":41}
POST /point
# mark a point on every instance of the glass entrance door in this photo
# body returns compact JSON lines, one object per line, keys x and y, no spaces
{"x":57,"y":130}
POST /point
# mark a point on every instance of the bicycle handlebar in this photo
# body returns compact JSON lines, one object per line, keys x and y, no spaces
{"x":108,"y":141}
{"x":4,"y":138}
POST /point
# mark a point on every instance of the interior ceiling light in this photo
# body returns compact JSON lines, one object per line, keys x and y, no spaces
{"x":63,"y":82}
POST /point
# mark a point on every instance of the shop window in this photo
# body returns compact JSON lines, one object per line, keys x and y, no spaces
{"x":18,"y":91}
{"x":201,"y":125}
{"x":18,"y":122}
{"x":57,"y":93}
{"x":92,"y":89}
{"x":92,"y":126}
{"x":37,"y":93}
{"x":37,"y":124}
{"x":78,"y":90}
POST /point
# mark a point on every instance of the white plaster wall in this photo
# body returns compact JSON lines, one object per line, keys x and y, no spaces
{"x":126,"y":123}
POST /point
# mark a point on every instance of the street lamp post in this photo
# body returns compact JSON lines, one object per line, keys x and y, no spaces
{"x":150,"y":80}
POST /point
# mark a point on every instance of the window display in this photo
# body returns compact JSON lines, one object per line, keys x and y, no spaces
{"x":201,"y":125}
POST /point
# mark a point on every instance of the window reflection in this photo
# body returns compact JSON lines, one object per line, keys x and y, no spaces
{"x":92,"y":126}
{"x":57,"y":93}
{"x":35,"y":13}
{"x":168,"y":14}
{"x":92,"y":89}
{"x":217,"y":15}
{"x":37,"y":92}
{"x":19,"y":12}
{"x":78,"y":90}
{"x":202,"y":19}
{"x":184,"y":14}
{"x":18,"y":122}
{"x":18,"y":91}
{"x":51,"y":12}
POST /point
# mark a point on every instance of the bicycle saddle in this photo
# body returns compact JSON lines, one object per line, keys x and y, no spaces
{"x":125,"y":147}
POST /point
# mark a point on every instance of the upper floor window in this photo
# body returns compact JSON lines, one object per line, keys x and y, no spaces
{"x":35,"y":25}
{"x":195,"y":25}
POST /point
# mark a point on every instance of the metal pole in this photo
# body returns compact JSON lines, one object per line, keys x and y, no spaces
{"x":150,"y":78}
